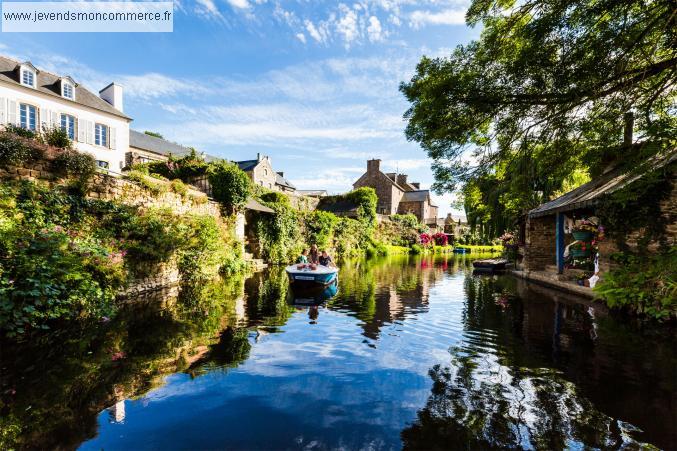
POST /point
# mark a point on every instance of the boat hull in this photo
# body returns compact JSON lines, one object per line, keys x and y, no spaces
{"x":322,"y":276}
{"x":490,"y":265}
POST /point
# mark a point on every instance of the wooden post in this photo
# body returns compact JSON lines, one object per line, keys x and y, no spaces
{"x":559,"y":241}
{"x":629,"y":119}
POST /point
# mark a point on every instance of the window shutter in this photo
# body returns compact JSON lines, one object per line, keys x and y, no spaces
{"x":112,"y":141}
{"x":90,"y":132}
{"x":11,"y":112}
{"x":56,"y":123}
{"x":82,"y":130}
{"x":43,"y":122}
{"x":3,"y":109}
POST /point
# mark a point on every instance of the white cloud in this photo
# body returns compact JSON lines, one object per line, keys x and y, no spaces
{"x":301,"y":37}
{"x":208,"y":10}
{"x":315,"y":32}
{"x":239,"y":4}
{"x":419,"y":18}
{"x":347,"y":25}
{"x":374,"y":30}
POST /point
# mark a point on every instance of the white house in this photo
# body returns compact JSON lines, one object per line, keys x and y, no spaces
{"x":37,"y":100}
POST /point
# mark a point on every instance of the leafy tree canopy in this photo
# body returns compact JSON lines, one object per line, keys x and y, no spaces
{"x":543,"y":93}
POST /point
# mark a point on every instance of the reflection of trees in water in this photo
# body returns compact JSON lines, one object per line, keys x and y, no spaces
{"x":498,"y":393}
{"x":51,"y":394}
{"x":267,"y":298}
{"x":381,"y":291}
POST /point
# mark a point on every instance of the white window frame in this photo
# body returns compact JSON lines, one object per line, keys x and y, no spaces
{"x":24,"y":72}
{"x":72,"y":132}
{"x":28,"y":122}
{"x":64,"y":86}
{"x":98,"y":135}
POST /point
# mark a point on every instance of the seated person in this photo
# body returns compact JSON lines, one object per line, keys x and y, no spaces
{"x":314,"y":254}
{"x":325,"y":260}
{"x":303,"y":258}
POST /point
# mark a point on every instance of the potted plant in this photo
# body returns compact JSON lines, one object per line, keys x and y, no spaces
{"x":584,"y":231}
{"x":580,"y":249}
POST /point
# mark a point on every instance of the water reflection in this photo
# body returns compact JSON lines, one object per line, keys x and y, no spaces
{"x":412,"y":352}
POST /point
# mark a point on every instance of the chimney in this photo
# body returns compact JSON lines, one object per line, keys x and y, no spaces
{"x":401,"y":179}
{"x":416,"y":185}
{"x":373,"y":166}
{"x":258,"y":156}
{"x":629,"y":119}
{"x":113,"y":95}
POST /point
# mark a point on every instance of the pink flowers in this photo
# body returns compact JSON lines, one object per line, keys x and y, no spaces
{"x":425,"y":239}
{"x":440,"y":239}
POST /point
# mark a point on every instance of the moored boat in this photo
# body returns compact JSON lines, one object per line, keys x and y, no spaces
{"x":311,"y":275}
{"x":492,"y":264}
{"x":461,"y":250}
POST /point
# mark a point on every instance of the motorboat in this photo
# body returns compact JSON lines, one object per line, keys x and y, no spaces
{"x":309,"y":274}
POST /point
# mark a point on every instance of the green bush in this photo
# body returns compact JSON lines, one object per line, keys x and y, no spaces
{"x":20,"y":131}
{"x":152,"y":184}
{"x":645,"y":285}
{"x":417,"y":249}
{"x":230,"y":185}
{"x":78,"y":165}
{"x":57,"y":137}
{"x":179,"y":187}
{"x":15,"y":151}
{"x":320,"y":228}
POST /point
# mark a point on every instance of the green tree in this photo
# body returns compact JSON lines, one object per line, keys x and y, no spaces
{"x":230,"y":185}
{"x":544,"y":93}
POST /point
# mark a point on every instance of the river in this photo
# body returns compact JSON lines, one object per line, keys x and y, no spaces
{"x":411,"y":352}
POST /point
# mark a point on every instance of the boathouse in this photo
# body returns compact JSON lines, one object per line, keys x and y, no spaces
{"x":565,"y":240}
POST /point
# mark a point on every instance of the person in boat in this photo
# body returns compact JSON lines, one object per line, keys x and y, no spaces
{"x":303,"y":258}
{"x":314,"y":256}
{"x":325,"y":260}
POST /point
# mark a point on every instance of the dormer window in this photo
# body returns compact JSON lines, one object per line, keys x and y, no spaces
{"x":68,"y":91}
{"x":27,"y":77}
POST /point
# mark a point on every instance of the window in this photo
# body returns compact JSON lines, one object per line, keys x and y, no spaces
{"x":28,"y":78}
{"x":102,"y":164}
{"x":68,"y":125}
{"x":68,"y":90}
{"x":101,"y":135}
{"x":28,"y":116}
{"x":265,"y":172}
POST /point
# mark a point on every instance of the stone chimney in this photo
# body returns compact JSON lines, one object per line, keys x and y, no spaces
{"x":258,"y":156}
{"x":416,"y":185}
{"x":113,"y":95}
{"x":401,"y":179}
{"x":373,"y":166}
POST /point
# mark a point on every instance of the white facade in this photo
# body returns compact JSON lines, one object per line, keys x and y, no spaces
{"x":102,"y":134}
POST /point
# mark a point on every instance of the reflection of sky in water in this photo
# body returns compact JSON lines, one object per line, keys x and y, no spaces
{"x":358,"y":375}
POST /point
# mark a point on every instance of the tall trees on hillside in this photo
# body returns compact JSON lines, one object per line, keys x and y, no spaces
{"x":540,"y":100}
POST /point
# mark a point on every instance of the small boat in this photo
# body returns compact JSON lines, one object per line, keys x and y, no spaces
{"x":313,"y":294}
{"x":461,"y":250}
{"x":492,"y":264}
{"x":304,"y":274}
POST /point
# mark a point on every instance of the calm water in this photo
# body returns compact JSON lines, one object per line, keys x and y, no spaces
{"x":413,"y":353}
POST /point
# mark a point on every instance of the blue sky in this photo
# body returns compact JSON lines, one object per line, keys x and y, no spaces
{"x":313,"y":84}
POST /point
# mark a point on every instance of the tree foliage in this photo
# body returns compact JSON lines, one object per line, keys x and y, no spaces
{"x":230,"y":185}
{"x":542,"y":96}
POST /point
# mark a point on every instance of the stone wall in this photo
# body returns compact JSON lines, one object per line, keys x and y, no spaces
{"x":540,"y":245}
{"x":108,"y":187}
{"x":388,"y":195}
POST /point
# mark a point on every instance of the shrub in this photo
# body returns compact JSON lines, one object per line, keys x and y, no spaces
{"x":179,"y":187}
{"x":320,"y":227}
{"x":440,"y":239}
{"x":152,"y":184}
{"x":409,"y":220}
{"x":20,"y":131}
{"x":15,"y":151}
{"x":416,"y":249}
{"x":58,"y":137}
{"x":75,"y":164}
{"x":646,"y":285}
{"x":230,"y":185}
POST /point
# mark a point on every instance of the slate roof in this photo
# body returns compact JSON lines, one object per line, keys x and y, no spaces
{"x":312,"y":192}
{"x":247,"y":165}
{"x":280,"y":180}
{"x":48,"y":83}
{"x":588,"y":194}
{"x":161,"y":146}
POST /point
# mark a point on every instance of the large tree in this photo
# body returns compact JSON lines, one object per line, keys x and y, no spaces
{"x":544,"y":92}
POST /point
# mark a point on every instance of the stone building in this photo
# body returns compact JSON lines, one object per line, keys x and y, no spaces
{"x":456,"y":226}
{"x":144,"y":148}
{"x":396,"y":195}
{"x":262,"y":173}
{"x":547,"y":229}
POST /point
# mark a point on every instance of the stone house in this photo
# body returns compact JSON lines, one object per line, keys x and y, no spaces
{"x":396,"y":195}
{"x":546,"y":230}
{"x":457,"y":227}
{"x":144,"y":148}
{"x":262,"y":173}
{"x":38,"y":100}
